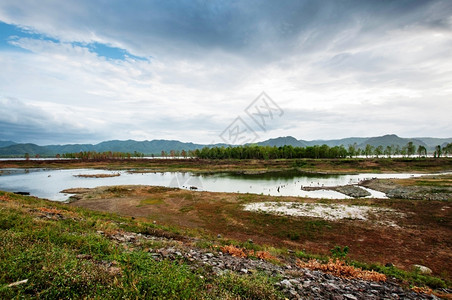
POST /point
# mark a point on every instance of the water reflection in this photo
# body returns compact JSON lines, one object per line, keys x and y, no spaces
{"x":47,"y":183}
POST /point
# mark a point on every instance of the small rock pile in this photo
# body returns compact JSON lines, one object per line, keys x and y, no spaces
{"x":295,"y":282}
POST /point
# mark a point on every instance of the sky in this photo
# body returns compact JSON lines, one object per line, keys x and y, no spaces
{"x":223,"y":71}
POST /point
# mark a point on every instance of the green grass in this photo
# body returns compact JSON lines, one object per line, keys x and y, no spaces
{"x":63,"y":256}
{"x":150,"y":201}
{"x":413,"y":278}
{"x":67,"y":259}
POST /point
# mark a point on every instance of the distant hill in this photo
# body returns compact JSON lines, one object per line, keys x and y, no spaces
{"x":331,"y":143}
{"x":281,"y":141}
{"x":146,"y":147}
{"x":9,"y":148}
{"x":432,"y":142}
{"x":6,"y":143}
{"x":390,"y":139}
{"x":22,"y":149}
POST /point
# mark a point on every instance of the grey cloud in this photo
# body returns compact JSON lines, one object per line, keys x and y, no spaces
{"x":217,"y":50}
{"x":21,"y":122}
{"x":260,"y":30}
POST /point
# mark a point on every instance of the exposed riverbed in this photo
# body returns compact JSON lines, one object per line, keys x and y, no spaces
{"x":48,"y":183}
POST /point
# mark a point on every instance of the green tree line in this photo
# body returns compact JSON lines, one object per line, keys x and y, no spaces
{"x":93,"y":155}
{"x":323,"y":151}
{"x":271,"y":152}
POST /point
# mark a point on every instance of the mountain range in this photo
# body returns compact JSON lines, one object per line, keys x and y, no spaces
{"x":10,"y":148}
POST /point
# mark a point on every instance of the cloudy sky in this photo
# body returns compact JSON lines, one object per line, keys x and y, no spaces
{"x":87,"y":71}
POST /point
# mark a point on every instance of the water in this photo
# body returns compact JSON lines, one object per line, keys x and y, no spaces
{"x":47,"y":183}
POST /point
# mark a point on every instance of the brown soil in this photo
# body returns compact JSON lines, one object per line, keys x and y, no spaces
{"x":97,"y":175}
{"x":423,"y":236}
{"x":249,"y":165}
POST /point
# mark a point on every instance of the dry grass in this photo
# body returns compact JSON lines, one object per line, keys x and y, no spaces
{"x":53,"y":212}
{"x":5,"y":198}
{"x":244,"y":253}
{"x":340,"y":269}
{"x":234,"y":251}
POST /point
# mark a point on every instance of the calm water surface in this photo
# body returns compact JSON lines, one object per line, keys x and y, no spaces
{"x":47,"y":183}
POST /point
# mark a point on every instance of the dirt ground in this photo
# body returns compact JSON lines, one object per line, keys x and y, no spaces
{"x":423,"y":165}
{"x":433,"y":187}
{"x":422,"y":235}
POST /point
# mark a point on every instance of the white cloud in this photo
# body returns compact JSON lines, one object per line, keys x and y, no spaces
{"x":366,"y":71}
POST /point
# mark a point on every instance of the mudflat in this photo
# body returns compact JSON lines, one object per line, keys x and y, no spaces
{"x":402,"y":232}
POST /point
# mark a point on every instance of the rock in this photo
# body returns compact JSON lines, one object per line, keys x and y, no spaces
{"x":295,"y":282}
{"x":286,"y":283}
{"x":423,"y":269}
{"x":293,"y":293}
{"x":352,"y":191}
{"x":332,"y":286}
{"x":350,"y":297}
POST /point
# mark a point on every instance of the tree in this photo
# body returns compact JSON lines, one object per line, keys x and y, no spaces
{"x":388,"y":150}
{"x":369,"y":150}
{"x":410,"y":148}
{"x":421,"y":151}
{"x":403,"y":151}
{"x":447,"y":150}
{"x":352,"y":150}
{"x":438,"y":151}
{"x":379,"y":151}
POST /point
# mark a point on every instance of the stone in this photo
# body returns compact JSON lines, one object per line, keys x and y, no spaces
{"x":350,"y":297}
{"x":286,"y":283}
{"x":423,"y":269}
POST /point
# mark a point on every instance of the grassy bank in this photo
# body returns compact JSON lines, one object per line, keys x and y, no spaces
{"x":58,"y":251}
{"x":52,"y":250}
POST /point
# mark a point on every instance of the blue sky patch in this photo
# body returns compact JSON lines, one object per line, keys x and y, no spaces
{"x":108,"y":51}
{"x":10,"y":33}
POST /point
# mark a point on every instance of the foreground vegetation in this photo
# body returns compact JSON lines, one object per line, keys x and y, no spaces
{"x":58,"y":250}
{"x":66,"y":258}
{"x":55,"y":251}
